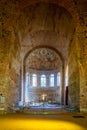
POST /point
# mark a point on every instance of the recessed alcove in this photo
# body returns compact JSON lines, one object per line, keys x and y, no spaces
{"x":43,"y":75}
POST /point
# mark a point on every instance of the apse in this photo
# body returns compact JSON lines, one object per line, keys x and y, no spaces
{"x":43,"y":71}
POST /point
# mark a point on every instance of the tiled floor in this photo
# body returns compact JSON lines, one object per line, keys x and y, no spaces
{"x":58,"y":119}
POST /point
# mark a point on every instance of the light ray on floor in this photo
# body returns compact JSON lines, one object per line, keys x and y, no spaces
{"x":37,"y":124}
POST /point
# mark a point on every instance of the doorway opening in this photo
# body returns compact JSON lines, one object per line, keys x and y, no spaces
{"x":43,"y":80}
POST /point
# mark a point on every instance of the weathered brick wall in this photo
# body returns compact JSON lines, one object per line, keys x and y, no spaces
{"x":82,"y":39}
{"x":78,"y":61}
{"x":74,"y":87}
{"x":9,"y":66}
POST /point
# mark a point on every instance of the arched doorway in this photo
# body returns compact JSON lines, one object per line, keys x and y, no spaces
{"x":43,"y":78}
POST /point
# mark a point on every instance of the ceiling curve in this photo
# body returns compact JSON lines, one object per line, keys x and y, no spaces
{"x":43,"y":59}
{"x":45,"y":24}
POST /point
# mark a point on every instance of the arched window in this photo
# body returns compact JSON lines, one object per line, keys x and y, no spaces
{"x":34,"y":80}
{"x":52,"y":80}
{"x":43,"y":80}
{"x":58,"y":79}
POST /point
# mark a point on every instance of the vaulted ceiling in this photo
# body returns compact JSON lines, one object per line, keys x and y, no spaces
{"x":37,"y":23}
{"x":45,"y":24}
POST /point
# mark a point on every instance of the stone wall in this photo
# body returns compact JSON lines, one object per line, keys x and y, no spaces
{"x":78,"y":61}
{"x":9,"y":67}
{"x":74,"y":88}
{"x":82,"y":39}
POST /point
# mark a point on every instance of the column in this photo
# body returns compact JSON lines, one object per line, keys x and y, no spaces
{"x":48,"y":80}
{"x":55,"y":80}
{"x":62,"y":85}
{"x":38,"y":80}
{"x":22,"y":83}
{"x":20,"y":86}
{"x":26,"y":87}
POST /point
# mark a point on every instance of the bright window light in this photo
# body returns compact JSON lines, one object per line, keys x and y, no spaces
{"x":52,"y":80}
{"x":43,"y":80}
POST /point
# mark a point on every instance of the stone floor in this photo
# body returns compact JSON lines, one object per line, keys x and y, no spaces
{"x":53,"y":119}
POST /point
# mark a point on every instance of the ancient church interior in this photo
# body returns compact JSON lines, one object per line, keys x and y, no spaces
{"x":43,"y":55}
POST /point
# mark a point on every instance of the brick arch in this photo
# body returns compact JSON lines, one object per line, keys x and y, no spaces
{"x":44,"y":46}
{"x":29,"y":52}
